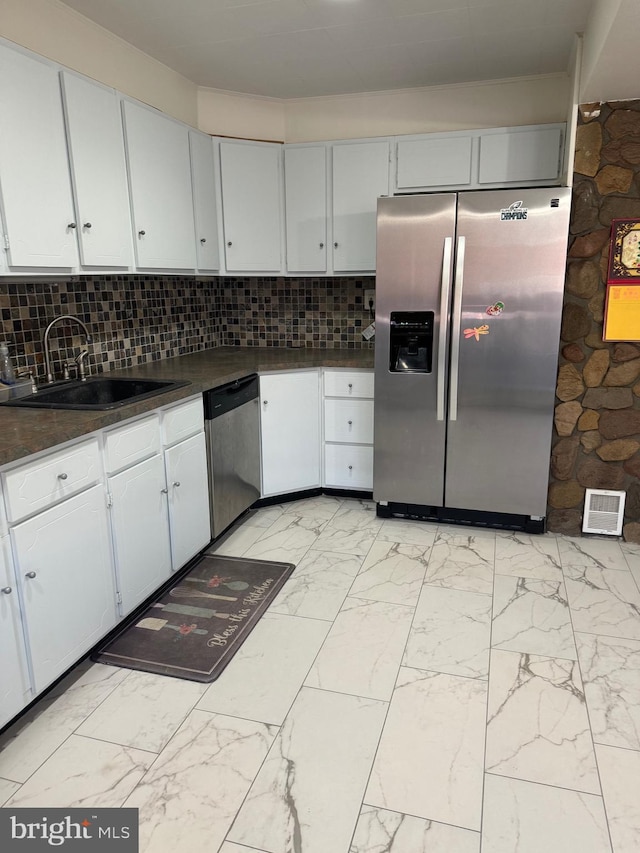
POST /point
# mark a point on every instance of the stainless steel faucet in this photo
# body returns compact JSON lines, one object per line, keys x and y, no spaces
{"x":79,"y":359}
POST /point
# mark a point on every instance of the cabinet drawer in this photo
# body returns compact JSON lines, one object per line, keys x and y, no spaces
{"x":181,"y":421}
{"x":39,"y":484}
{"x":349,"y":421}
{"x":348,"y":383}
{"x":128,"y":445}
{"x":348,"y":466}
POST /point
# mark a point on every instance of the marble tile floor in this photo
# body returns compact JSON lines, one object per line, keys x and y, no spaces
{"x":412,"y":689}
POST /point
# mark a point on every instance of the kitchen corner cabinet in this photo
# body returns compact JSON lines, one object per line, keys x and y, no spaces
{"x":290,"y":431}
{"x":98,"y":171}
{"x":64,"y":566}
{"x":15,"y":692}
{"x":251,"y":176}
{"x":201,"y":147}
{"x":159,"y":169}
{"x":360,"y":177}
{"x":37,"y":204}
{"x":305,"y":173}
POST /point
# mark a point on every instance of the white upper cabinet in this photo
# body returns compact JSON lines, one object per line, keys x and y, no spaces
{"x":438,"y":161}
{"x":160,"y":188}
{"x":305,"y":180}
{"x":521,"y":155}
{"x":204,"y":200}
{"x":96,"y":153}
{"x":251,"y":178}
{"x":39,"y":219}
{"x":360,"y":176}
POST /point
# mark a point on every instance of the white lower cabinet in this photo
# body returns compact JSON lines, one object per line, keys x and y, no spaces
{"x":186,"y":471}
{"x":348,"y":466}
{"x":139,"y":519}
{"x":290,"y":431}
{"x":15,"y":691}
{"x":65,"y":570}
{"x":348,"y":429}
{"x":159,"y":503}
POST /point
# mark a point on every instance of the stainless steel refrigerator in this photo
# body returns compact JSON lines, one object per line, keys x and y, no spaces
{"x":469,"y":293}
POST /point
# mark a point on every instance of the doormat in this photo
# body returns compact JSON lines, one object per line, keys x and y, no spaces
{"x":198,"y":625}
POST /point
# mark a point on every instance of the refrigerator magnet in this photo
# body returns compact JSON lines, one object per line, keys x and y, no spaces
{"x":496,"y":309}
{"x":476,"y":332}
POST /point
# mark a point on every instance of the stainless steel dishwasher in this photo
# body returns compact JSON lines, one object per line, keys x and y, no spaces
{"x":232,"y":425}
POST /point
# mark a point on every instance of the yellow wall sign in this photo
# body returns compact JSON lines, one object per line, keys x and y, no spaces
{"x":622,"y":313}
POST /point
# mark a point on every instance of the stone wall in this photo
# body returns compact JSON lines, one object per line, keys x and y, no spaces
{"x":596,"y":442}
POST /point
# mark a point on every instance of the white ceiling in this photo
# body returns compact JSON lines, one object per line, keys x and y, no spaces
{"x":305,"y":48}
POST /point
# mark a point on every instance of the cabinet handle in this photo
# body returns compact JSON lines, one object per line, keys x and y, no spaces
{"x":322,"y":245}
{"x":63,"y":476}
{"x":164,"y":491}
{"x":264,"y":402}
{"x":335,"y":245}
{"x":177,"y":483}
{"x":229,"y":243}
{"x":30,"y":575}
{"x":351,"y":467}
{"x":7,"y":590}
{"x":203,"y":240}
{"x":350,"y":386}
{"x":350,"y":423}
{"x":87,"y":225}
{"x":71,"y":225}
{"x":141,"y":233}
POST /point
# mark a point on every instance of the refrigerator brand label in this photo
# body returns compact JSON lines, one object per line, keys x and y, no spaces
{"x":514,"y":211}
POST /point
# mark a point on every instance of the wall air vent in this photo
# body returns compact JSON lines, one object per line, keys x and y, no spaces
{"x":603,"y":512}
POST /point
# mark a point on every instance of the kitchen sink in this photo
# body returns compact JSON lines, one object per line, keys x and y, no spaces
{"x":97,"y":393}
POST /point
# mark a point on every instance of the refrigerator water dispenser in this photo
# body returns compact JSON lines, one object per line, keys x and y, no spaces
{"x":411,"y":349}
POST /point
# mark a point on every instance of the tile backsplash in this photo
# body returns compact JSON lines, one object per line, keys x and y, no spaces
{"x":298,"y":312}
{"x":135,"y":319}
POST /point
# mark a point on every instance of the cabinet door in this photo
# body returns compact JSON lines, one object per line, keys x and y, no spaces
{"x":444,"y":161}
{"x":251,"y":206}
{"x":140,"y":529}
{"x":520,"y":156}
{"x":204,"y":200}
{"x":160,"y":186}
{"x":69,"y":599}
{"x":360,"y":176}
{"x":290,"y":432}
{"x":96,"y":151}
{"x":186,"y":466}
{"x":305,"y":174}
{"x":34,"y":169}
{"x":14,"y":684}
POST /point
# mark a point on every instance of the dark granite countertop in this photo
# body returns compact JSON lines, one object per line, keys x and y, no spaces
{"x":27,"y":431}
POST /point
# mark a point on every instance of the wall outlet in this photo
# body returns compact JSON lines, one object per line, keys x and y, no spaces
{"x":369,"y":295}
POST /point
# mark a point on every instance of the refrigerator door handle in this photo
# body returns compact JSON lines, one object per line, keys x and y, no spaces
{"x":445,"y":290}
{"x":455,"y":328}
